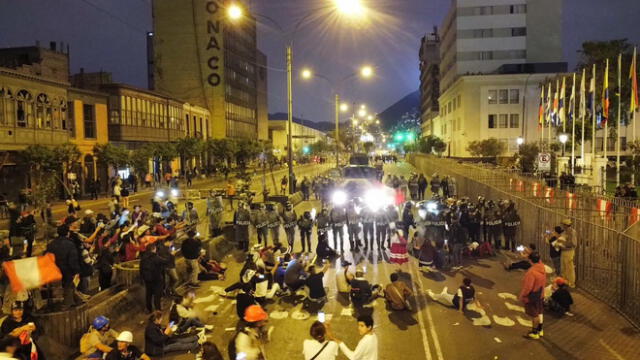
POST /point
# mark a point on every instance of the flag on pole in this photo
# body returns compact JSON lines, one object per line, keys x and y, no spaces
{"x":549,"y":101}
{"x":541,"y":109}
{"x":561,"y":108}
{"x":572,"y":201}
{"x":634,"y":83}
{"x":32,"y":272}
{"x":572,"y":100}
{"x":604,"y":207}
{"x":554,"y":112}
{"x":592,"y":91}
{"x":605,"y":95}
{"x":583,"y":95}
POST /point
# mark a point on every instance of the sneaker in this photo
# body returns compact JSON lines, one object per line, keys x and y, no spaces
{"x":208,"y":327}
{"x":532,"y":335}
{"x":541,"y":333}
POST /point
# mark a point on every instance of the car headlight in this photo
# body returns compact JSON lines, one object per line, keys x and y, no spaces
{"x":432,"y":207}
{"x":174,"y":193}
{"x":160,"y":194}
{"x":378,"y":198}
{"x":339,"y":197}
{"x":422,"y":213}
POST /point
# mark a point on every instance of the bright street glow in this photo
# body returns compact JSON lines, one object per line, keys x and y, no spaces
{"x":370,"y":117}
{"x":378,"y":198}
{"x":174,"y":192}
{"x":520,"y":141}
{"x":432,"y":207}
{"x":377,"y":122}
{"x":234,"y":12}
{"x":563,"y":138}
{"x":362,"y":112}
{"x":351,"y":8}
{"x":366,"y":72}
{"x":363,"y":106}
{"x":344,"y":107}
{"x":160,"y":194}
{"x":355,"y":122}
{"x":366,"y":138}
{"x":307,"y":74}
{"x":339,"y":197}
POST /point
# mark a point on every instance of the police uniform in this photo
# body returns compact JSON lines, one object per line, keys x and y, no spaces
{"x":273,"y":222}
{"x":323,"y":222}
{"x":241,"y":221}
{"x":338,"y":217}
{"x":368,"y":220}
{"x":353,"y":222}
{"x":305,"y":224}
{"x":259,"y":220}
{"x":289,"y":219}
{"x":511,"y":222}
{"x":382,"y":227}
{"x":493,"y":222}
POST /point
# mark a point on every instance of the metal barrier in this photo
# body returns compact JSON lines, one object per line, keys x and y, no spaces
{"x":607,"y":260}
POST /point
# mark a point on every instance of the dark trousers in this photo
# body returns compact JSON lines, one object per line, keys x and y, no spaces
{"x":242,"y":237}
{"x":30,"y":239}
{"x":338,"y":233}
{"x":494,"y":236}
{"x":354,"y":239}
{"x":509,"y":241}
{"x":291,"y":234}
{"x":368,"y":230}
{"x":305,"y":238}
{"x":68,"y":291}
{"x":94,"y":194}
{"x":381,"y":235}
{"x":104,"y":279}
{"x":263,"y":234}
{"x":153,"y":293}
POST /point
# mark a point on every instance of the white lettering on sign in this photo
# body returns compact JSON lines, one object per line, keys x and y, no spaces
{"x":213,"y":44}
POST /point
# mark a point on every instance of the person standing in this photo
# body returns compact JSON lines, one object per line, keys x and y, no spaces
{"x":353,"y":223}
{"x":435,"y":184}
{"x":323,"y":223}
{"x":260,"y":222}
{"x":273,"y":223}
{"x":241,"y":221}
{"x":511,"y":222}
{"x":305,"y":224}
{"x":67,"y":260}
{"x":422,"y":186}
{"x":338,"y":217}
{"x":289,"y":218}
{"x":382,"y":227}
{"x":368,"y":220}
{"x":555,"y":252}
{"x":191,"y":251}
{"x":319,"y":347}
{"x":399,"y":254}
{"x":367,"y":348}
{"x":152,"y":273}
{"x":532,"y":294}
{"x":568,"y":243}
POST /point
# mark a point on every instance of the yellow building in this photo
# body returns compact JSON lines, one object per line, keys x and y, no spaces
{"x":301,"y":136}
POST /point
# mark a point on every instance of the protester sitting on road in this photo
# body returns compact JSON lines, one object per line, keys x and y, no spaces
{"x":211,"y":269}
{"x":396,"y":294}
{"x":8,"y":348}
{"x":367,"y":348}
{"x":251,"y":335}
{"x":362,"y":292}
{"x":524,"y":263}
{"x":343,"y":279}
{"x":158,"y":339}
{"x":184,"y":316}
{"x":317,"y":293}
{"x":319,"y":347}
{"x":559,"y":299}
{"x":244,"y":299}
{"x":295,"y":276}
{"x":210,"y":351}
{"x":465,"y":295}
{"x":22,"y":326}
{"x":124,"y":350}
{"x":93,"y":345}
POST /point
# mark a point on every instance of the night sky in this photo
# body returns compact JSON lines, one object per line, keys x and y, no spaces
{"x":109,"y":35}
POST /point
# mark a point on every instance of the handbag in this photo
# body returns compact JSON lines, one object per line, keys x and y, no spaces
{"x":320,"y":351}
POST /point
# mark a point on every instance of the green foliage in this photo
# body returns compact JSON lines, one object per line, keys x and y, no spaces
{"x":527,"y":157}
{"x":245,"y":151}
{"x":189,"y":147}
{"x":487,"y":148}
{"x":430,"y":144}
{"x":320,"y":146}
{"x":222,"y":150}
{"x":112,"y":155}
{"x":139,"y":158}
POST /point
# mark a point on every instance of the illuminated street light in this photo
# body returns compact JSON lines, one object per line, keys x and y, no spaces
{"x":362,"y":113}
{"x":366,"y":71}
{"x":351,"y":8}
{"x":370,"y":117}
{"x":344,"y":107}
{"x":563,"y":138}
{"x":363,"y":106}
{"x":377,"y":122}
{"x":520,"y":141}
{"x":307,"y":74}
{"x":234,"y":11}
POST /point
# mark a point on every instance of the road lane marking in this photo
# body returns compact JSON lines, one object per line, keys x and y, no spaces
{"x":432,"y":329}
{"x":423,"y":329}
{"x":613,"y":352}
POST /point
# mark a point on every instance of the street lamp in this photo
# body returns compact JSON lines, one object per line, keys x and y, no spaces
{"x":370,"y":117}
{"x":344,"y":107}
{"x":366,"y":71}
{"x":307,"y":74}
{"x":350,"y":8}
{"x":362,"y":113}
{"x":519,"y":141}
{"x":563,"y":140}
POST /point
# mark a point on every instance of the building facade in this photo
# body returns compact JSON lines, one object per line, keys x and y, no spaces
{"x":429,"y":80}
{"x":301,"y":136}
{"x":209,"y":61}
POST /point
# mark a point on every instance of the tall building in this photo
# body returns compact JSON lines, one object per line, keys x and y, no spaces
{"x":207,"y":60}
{"x":494,"y":55}
{"x":429,"y":80}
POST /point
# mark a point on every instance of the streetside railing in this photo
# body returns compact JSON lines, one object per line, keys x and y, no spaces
{"x":607,"y":260}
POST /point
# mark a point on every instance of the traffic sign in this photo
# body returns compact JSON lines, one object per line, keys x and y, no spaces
{"x":544,"y":162}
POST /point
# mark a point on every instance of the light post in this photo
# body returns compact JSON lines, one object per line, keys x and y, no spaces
{"x":519,"y":141}
{"x":563,"y":140}
{"x":365,"y":72}
{"x":349,"y":8}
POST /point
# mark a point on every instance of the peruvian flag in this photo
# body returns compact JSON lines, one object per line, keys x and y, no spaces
{"x":520,"y":186}
{"x":605,"y":207}
{"x":32,"y":272}
{"x":572,"y":201}
{"x":511,"y":181}
{"x":535,"y":189}
{"x":634,"y":216}
{"x":548,"y":194}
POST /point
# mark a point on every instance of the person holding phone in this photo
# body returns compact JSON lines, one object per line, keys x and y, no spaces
{"x":320,"y":346}
{"x":158,"y":339}
{"x":524,"y":253}
{"x":22,"y":326}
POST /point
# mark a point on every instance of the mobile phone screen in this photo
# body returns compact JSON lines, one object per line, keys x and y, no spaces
{"x":321,"y":316}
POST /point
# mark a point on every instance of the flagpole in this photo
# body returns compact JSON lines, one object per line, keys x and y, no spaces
{"x":573,"y":126}
{"x":619,"y":119}
{"x":583,"y":113}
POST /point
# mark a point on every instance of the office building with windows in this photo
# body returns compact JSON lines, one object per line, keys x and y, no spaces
{"x":207,"y":60}
{"x":429,"y":80}
{"x":494,"y":55}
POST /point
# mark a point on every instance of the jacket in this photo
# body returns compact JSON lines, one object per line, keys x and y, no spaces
{"x":152,"y":267}
{"x":191,"y":248}
{"x":154,"y":340}
{"x":534,"y":279}
{"x":66,"y":253}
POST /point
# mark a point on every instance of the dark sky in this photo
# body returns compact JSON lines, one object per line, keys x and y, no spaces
{"x":110,"y":35}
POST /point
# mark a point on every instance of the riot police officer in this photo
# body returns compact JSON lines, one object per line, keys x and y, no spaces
{"x":382,"y":226}
{"x":241,"y":222}
{"x":493,"y":222}
{"x":305,"y":224}
{"x":215,"y":211}
{"x":323,"y":223}
{"x":289,"y":218}
{"x":273,"y":223}
{"x":368,"y":220}
{"x":338,"y":217}
{"x":353,"y":223}
{"x":259,"y":220}
{"x":511,"y":222}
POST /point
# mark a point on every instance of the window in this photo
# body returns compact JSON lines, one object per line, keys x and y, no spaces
{"x":503,"y":95}
{"x":485,"y":55}
{"x":459,"y":101}
{"x":88,"y":112}
{"x":514,"y":96}
{"x":503,"y":121}
{"x":521,"y":31}
{"x":518,"y":9}
{"x":514,"y":121}
{"x":67,"y":123}
{"x":493,"y":96}
{"x":449,"y":107}
{"x":492,"y":121}
{"x":186,"y":121}
{"x":24,"y":108}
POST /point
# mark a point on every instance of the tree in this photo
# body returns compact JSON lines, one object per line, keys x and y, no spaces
{"x":139,"y":159}
{"x":439,"y":146}
{"x":368,"y":146}
{"x":320,"y":146}
{"x":245,"y":151}
{"x":487,"y":148}
{"x":527,"y":157}
{"x":112,"y":155}
{"x":221,"y":150}
{"x":68,"y":154}
{"x":189,"y":148}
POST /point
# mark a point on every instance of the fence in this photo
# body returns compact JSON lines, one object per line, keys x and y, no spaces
{"x":607,"y":260}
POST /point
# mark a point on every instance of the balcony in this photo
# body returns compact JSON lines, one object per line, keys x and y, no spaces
{"x":16,"y":138}
{"x":119,"y":132}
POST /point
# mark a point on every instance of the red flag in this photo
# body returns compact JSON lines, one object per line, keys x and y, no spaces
{"x":572,"y":201}
{"x":604,"y":207}
{"x":32,"y":272}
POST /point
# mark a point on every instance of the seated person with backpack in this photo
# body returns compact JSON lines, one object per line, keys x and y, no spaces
{"x":93,"y":345}
{"x":362,"y":292}
{"x":396,"y":294}
{"x":158,"y":339}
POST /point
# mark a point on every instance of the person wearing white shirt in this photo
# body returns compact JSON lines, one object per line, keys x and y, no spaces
{"x":367,"y":348}
{"x":319,"y":348}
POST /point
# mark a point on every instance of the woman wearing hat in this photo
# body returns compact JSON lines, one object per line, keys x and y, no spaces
{"x":22,"y":326}
{"x":251,"y":337}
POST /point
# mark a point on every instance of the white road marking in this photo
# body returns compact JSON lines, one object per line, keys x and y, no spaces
{"x":524,"y":322}
{"x":504,"y":321}
{"x":613,"y":352}
{"x":423,"y":329}
{"x":507,"y":296}
{"x":514,"y":307}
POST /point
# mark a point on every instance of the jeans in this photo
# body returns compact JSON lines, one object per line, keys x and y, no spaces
{"x":456,"y":254}
{"x":181,"y":344}
{"x":368,"y":230}
{"x":557,"y":264}
{"x":189,"y":322}
{"x":153,"y":292}
{"x":194,"y":269}
{"x":338,"y":232}
{"x":172,"y":275}
{"x":381,"y":234}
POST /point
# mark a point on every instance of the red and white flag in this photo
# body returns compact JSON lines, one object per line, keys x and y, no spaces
{"x":572,"y":201}
{"x":32,"y":272}
{"x":604,"y":207}
{"x":520,"y":186}
{"x":535,"y":189}
{"x":634,"y":216}
{"x":549,"y":193}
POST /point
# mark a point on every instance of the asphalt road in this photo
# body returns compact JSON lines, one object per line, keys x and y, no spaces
{"x":432,"y":331}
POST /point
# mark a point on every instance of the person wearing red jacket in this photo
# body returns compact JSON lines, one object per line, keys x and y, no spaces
{"x":532,"y":294}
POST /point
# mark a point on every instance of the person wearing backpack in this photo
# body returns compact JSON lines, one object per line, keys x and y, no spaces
{"x":96,"y":343}
{"x":250,"y":336}
{"x":318,"y":347}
